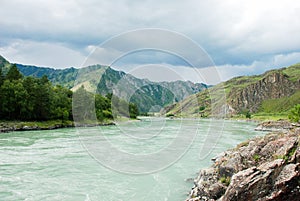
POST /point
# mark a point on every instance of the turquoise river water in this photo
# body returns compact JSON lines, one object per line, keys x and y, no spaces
{"x":87,"y":164}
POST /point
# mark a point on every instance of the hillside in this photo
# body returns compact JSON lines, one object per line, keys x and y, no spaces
{"x":275,"y":91}
{"x":4,"y":64}
{"x":148,"y":95}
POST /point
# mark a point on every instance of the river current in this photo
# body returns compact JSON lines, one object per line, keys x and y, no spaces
{"x":147,"y":160}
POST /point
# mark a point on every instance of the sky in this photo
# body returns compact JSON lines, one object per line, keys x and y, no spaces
{"x":158,"y":40}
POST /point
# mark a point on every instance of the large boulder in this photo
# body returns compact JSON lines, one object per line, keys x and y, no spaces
{"x":265,"y":168}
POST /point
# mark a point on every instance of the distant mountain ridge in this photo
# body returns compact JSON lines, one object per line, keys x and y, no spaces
{"x":274,"y":91}
{"x":148,"y":95}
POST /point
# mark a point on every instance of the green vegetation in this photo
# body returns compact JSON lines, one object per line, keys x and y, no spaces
{"x":246,"y":114}
{"x":240,"y":82}
{"x":33,"y":99}
{"x":201,"y":108}
{"x":247,"y":97}
{"x":280,"y":104}
{"x":147,"y":97}
{"x":294,"y":114}
{"x":292,"y":152}
{"x":35,"y":124}
{"x":225,"y":180}
{"x":36,"y":99}
{"x":262,"y":116}
{"x":170,"y":115}
{"x":103,"y":79}
{"x":256,"y":157}
{"x":288,"y":156}
{"x":284,"y":157}
{"x":292,"y":72}
{"x":63,"y":77}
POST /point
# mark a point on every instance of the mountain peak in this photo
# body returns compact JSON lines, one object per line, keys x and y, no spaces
{"x":4,"y":64}
{"x":104,"y":79}
{"x":3,"y":61}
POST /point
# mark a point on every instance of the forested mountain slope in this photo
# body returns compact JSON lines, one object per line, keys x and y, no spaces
{"x":148,"y":95}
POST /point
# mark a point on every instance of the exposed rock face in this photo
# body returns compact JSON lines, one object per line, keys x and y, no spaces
{"x":266,"y":168}
{"x":273,"y":85}
{"x":243,"y":94}
{"x":280,"y":125}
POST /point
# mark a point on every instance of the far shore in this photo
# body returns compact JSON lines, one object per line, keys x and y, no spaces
{"x":10,"y":126}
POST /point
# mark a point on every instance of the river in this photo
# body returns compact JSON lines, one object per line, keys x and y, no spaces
{"x":88,"y":164}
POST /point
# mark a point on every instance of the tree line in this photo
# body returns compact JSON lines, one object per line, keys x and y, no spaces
{"x":36,"y":99}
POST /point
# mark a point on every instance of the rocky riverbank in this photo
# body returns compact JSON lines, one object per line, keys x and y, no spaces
{"x":280,"y":125}
{"x":9,"y":126}
{"x":264,"y":168}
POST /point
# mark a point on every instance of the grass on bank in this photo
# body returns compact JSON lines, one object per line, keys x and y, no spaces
{"x":262,"y":116}
{"x":270,"y":116}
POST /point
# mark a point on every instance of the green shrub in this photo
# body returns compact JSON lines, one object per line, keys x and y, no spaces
{"x":201,"y":108}
{"x":256,"y":157}
{"x":248,"y":115}
{"x":170,"y":115}
{"x":294,"y":114}
{"x":225,"y":180}
{"x":284,"y":157}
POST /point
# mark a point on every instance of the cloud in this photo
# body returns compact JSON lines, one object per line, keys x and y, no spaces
{"x":149,"y":46}
{"x":211,"y":74}
{"x":234,"y":33}
{"x":229,"y":71}
{"x":42,"y":54}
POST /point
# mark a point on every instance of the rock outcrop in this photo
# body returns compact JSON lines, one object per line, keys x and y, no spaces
{"x":272,"y":86}
{"x":30,"y":126}
{"x":280,"y":125}
{"x":244,"y":95}
{"x":11,"y":126}
{"x":265,"y":168}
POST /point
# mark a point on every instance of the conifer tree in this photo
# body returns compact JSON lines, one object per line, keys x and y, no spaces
{"x":13,"y":73}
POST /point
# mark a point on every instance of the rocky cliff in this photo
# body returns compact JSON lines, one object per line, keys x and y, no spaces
{"x":273,"y":85}
{"x":274,"y":91}
{"x":265,"y":168}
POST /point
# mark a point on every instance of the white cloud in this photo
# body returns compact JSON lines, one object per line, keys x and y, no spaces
{"x":42,"y":54}
{"x":209,"y":75}
{"x":258,"y":67}
{"x":235,"y":33}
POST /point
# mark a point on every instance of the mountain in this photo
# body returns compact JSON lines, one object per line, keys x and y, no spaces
{"x":148,"y":95}
{"x":275,"y":91}
{"x":65,"y":77}
{"x":4,"y":64}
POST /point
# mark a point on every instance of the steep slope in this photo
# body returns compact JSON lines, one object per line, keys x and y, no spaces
{"x":64,"y":77}
{"x":275,"y":90}
{"x":4,"y":64}
{"x":149,"y":96}
{"x":272,"y":85}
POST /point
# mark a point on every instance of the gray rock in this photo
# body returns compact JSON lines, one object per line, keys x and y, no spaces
{"x":266,"y":168}
{"x":281,"y":125}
